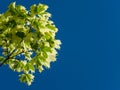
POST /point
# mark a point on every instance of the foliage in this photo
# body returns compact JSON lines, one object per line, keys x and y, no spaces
{"x":27,"y":39}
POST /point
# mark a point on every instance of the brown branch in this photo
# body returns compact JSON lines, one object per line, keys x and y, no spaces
{"x":8,"y":56}
{"x":17,"y":54}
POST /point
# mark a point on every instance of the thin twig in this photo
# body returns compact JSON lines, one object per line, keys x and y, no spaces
{"x":8,"y":56}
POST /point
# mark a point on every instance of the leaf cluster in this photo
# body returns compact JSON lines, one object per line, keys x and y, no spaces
{"x":27,"y":38}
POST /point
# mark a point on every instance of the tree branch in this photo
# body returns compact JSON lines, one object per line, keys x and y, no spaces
{"x":8,"y":56}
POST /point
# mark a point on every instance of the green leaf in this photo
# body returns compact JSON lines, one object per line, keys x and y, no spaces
{"x":11,"y":23}
{"x":33,"y":9}
{"x":16,"y":65}
{"x":34,"y":45}
{"x":45,"y":54}
{"x":40,"y":68}
{"x":12,"y":8}
{"x":30,"y":67}
{"x":51,"y":27}
{"x":20,"y":34}
{"x":47,"y":36}
{"x":41,"y":8}
{"x":47,"y":49}
{"x":26,"y":78}
{"x":1,"y":59}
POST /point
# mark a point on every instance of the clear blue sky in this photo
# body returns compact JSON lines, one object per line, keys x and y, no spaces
{"x":89,"y":58}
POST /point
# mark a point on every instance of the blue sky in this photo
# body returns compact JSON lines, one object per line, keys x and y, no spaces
{"x":89,"y":58}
